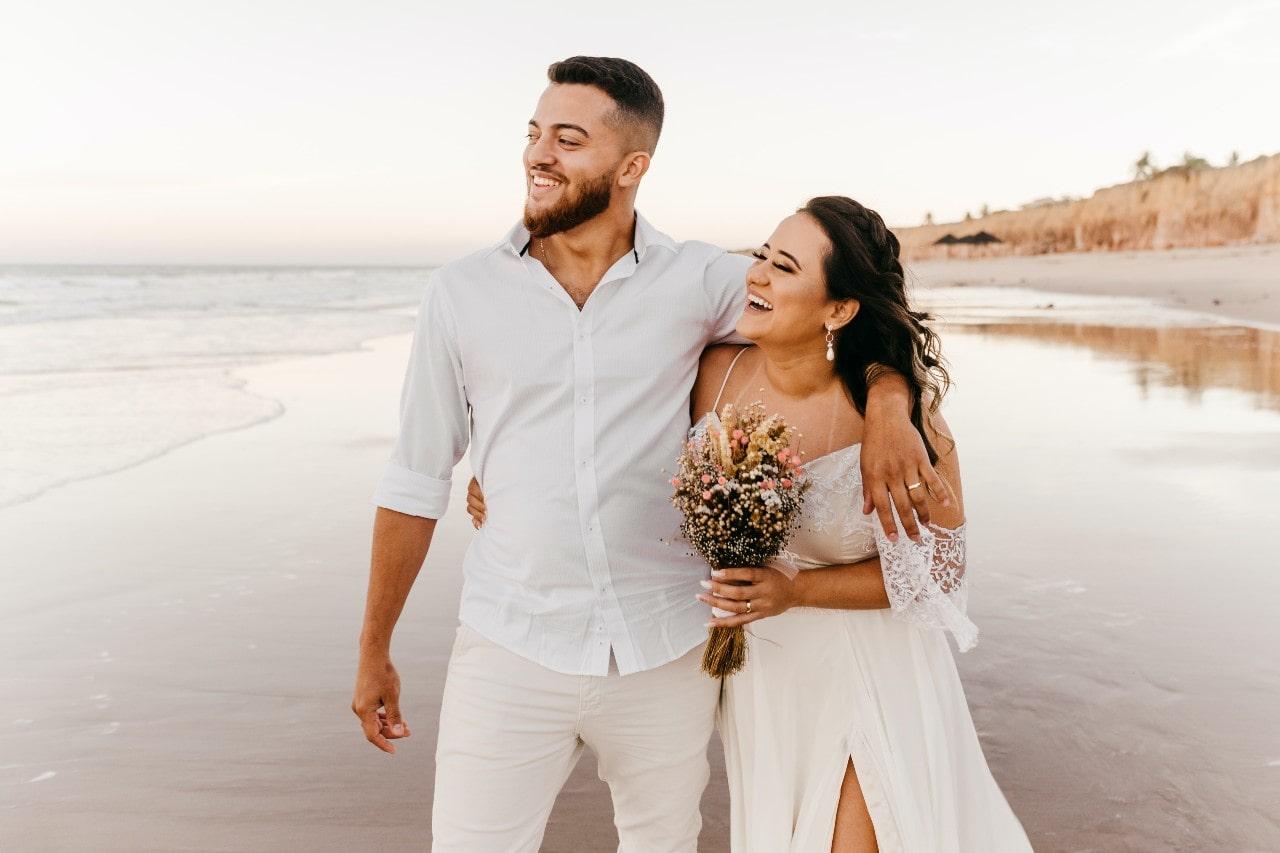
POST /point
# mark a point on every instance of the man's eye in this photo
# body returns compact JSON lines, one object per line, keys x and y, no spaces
{"x":568,"y":142}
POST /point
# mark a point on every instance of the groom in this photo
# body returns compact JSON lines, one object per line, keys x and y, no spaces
{"x":563,"y":356}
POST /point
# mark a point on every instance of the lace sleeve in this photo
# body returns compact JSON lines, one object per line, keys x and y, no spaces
{"x":926,"y":581}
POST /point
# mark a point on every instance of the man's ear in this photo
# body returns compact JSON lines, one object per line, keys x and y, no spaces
{"x":634,"y":165}
{"x":842,"y":313}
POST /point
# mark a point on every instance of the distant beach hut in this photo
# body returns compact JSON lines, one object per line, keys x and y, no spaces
{"x":982,"y":238}
{"x":946,"y":240}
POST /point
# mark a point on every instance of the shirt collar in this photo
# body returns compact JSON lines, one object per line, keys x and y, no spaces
{"x":646,"y":237}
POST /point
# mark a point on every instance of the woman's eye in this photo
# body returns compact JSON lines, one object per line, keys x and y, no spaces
{"x":781,"y":267}
{"x":758,"y":255}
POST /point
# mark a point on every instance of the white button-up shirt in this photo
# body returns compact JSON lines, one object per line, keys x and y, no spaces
{"x":574,"y":421}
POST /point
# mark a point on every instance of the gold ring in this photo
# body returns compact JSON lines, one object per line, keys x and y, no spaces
{"x":748,"y":605}
{"x":915,"y":486}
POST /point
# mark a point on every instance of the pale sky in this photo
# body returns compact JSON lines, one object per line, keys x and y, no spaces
{"x":391,"y":132}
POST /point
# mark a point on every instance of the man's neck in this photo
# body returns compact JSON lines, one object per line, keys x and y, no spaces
{"x":585,"y":253}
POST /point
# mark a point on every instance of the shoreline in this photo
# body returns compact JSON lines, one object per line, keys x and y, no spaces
{"x":1240,"y":284}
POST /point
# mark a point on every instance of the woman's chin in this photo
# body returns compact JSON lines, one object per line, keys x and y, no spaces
{"x":750,"y":328}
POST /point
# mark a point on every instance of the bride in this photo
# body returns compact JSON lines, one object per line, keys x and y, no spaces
{"x":847,"y":729}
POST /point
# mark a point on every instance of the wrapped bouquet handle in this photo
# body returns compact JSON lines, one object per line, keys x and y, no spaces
{"x":740,"y":487}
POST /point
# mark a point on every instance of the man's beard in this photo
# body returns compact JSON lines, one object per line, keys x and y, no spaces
{"x":591,"y":201}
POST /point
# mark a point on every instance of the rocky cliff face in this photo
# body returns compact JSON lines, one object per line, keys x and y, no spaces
{"x":1207,"y":207}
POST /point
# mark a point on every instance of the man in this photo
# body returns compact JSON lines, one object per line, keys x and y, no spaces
{"x":564,"y":356}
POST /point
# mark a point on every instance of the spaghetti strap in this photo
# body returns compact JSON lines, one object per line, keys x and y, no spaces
{"x":715,"y":407}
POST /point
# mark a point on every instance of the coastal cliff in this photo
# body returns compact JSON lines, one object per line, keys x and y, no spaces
{"x":1179,"y":207}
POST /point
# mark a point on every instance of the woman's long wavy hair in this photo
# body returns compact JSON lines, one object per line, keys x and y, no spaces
{"x":885,"y":334}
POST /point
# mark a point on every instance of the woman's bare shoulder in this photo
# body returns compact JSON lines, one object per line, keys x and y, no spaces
{"x":712,"y":369}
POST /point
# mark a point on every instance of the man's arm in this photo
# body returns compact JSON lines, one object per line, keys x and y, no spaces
{"x":725,"y":283}
{"x":894,"y":458}
{"x":411,"y":495}
{"x":400,"y":545}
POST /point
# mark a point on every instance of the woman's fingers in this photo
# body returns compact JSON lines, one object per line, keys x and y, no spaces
{"x":751,"y":574}
{"x":475,"y":503}
{"x":733,"y":591}
{"x":735,"y":621}
{"x":758,"y":605}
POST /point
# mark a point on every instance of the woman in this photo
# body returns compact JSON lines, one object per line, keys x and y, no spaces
{"x":847,"y":730}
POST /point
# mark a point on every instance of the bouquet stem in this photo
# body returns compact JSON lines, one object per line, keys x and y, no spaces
{"x":725,"y":652}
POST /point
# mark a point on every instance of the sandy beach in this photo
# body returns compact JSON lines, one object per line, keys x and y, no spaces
{"x":1240,"y":283}
{"x":180,"y":635}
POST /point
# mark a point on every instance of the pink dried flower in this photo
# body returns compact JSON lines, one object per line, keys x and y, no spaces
{"x":786,"y":482}
{"x":706,"y":478}
{"x":722,"y":481}
{"x":706,"y":495}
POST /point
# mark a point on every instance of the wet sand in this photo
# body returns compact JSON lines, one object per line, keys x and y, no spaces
{"x":1238,"y":282}
{"x":180,"y":637}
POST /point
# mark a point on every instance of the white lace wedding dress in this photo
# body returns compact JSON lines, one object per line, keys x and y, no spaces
{"x":878,"y":687}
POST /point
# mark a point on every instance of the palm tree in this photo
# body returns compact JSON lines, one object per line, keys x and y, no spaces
{"x":1145,"y":168}
{"x":1192,"y":163}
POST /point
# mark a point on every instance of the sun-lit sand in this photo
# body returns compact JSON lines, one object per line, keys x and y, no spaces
{"x":1241,"y":282}
{"x":180,"y":637}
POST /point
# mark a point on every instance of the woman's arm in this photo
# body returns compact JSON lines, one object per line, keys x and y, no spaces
{"x":853,"y":586}
{"x":712,"y":369}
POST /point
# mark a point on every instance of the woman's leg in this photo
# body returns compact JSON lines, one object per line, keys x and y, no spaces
{"x":854,"y":830}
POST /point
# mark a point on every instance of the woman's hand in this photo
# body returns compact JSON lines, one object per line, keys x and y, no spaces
{"x":475,"y":503}
{"x":769,"y":591}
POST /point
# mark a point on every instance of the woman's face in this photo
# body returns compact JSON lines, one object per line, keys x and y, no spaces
{"x":787,"y":301}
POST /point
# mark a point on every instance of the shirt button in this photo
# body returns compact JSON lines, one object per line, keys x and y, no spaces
{"x":584,"y":400}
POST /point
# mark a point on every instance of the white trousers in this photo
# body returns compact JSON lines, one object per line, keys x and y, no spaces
{"x":511,"y":731}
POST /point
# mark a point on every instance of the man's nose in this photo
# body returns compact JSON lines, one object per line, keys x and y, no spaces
{"x":540,"y":152}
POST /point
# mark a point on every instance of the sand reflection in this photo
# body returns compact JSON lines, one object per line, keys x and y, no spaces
{"x":1194,"y":359}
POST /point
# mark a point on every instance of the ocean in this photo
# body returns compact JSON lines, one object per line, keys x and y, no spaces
{"x":102,"y":368}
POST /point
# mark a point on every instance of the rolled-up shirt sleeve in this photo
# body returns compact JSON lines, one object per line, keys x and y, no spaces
{"x":434,"y":417}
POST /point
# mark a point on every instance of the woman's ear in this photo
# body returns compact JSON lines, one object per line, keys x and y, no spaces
{"x":842,"y":313}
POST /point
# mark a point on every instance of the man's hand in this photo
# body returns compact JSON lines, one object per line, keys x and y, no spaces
{"x":377,"y":701}
{"x":475,"y":503}
{"x":769,"y":591}
{"x":894,"y":460}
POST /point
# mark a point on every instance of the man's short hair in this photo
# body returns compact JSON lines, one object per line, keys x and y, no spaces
{"x":638,"y":98}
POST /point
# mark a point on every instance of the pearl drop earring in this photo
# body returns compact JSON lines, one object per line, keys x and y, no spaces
{"x":831,"y":341}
